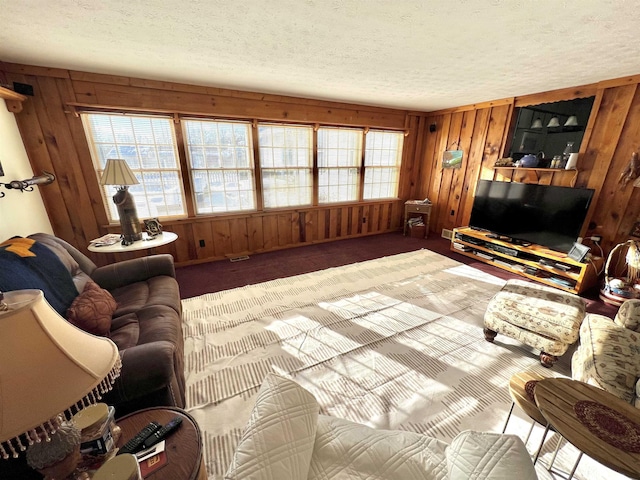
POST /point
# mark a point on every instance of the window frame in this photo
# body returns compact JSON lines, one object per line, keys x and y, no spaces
{"x":185,"y":178}
{"x":373,"y":168}
{"x":141,"y":190}
{"x":251,"y":168}
{"x":359,"y":164}
{"x":311,"y":169}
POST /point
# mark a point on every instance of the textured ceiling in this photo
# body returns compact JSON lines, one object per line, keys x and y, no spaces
{"x":418,"y":55}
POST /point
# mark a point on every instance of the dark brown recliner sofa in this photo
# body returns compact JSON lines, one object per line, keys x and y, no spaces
{"x":146,"y":326}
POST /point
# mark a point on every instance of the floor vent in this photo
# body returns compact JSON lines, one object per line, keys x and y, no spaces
{"x":238,"y":259}
{"x":447,"y":233}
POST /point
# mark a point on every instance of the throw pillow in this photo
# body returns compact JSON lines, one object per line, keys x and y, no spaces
{"x":92,"y":310}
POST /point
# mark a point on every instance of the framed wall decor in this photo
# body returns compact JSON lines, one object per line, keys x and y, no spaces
{"x":452,"y":159}
{"x":153,"y":227}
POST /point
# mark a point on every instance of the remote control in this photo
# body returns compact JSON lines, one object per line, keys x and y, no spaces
{"x":136,"y":443}
{"x":162,"y":433}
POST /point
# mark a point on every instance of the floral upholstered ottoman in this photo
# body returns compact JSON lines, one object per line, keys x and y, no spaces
{"x":545,"y":318}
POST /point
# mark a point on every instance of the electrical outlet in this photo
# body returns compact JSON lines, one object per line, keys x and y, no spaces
{"x":364,"y":219}
{"x":596,"y":238}
{"x":202,"y":243}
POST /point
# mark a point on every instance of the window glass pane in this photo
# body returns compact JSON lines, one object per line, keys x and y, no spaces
{"x":148,"y":146}
{"x":382,"y":159}
{"x":339,"y":157}
{"x":286,"y":161}
{"x":221,"y":165}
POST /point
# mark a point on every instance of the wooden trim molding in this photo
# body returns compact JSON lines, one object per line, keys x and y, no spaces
{"x":13,"y":100}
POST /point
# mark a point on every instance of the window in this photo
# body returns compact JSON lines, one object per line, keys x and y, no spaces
{"x":382,"y":158}
{"x":148,"y":146}
{"x":286,"y":164}
{"x":221,"y":157}
{"x":339,"y":159}
{"x":221,"y":162}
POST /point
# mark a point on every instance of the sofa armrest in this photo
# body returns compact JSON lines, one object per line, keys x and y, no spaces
{"x":146,"y":368}
{"x":127,"y":272}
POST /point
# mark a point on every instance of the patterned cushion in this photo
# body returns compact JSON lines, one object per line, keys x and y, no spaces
{"x":608,"y":356}
{"x":92,"y":310}
{"x":540,"y":316}
{"x":628,"y":315}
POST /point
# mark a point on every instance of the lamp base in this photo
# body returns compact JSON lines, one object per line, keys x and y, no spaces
{"x":58,"y":456}
{"x":64,"y":468}
{"x":129,"y":222}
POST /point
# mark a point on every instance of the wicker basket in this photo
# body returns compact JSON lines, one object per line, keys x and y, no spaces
{"x":621,"y":281}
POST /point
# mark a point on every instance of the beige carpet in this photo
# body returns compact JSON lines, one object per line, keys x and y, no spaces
{"x":392,"y":343}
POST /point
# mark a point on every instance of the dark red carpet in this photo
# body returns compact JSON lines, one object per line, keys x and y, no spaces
{"x":223,"y":274}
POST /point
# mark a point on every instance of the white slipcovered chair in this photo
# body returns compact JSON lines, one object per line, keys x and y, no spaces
{"x":287,"y":439}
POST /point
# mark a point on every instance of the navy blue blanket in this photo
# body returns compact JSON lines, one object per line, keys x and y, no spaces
{"x":26,"y":264}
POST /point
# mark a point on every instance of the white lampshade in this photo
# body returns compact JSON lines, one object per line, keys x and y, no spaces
{"x":537,"y":123}
{"x":572,"y":121}
{"x":554,"y":122}
{"x":47,"y":367}
{"x":117,"y":172}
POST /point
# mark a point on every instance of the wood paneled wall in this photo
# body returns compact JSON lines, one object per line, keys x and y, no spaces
{"x":483,"y":132}
{"x":54,"y":139}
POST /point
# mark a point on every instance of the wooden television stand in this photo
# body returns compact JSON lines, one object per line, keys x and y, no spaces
{"x":536,"y":262}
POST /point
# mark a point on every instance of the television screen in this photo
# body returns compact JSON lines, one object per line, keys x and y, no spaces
{"x":541,"y":214}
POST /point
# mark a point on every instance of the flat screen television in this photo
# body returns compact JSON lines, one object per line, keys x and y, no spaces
{"x":528,"y":213}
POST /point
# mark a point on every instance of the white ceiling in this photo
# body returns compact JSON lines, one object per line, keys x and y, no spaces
{"x":410,"y":54}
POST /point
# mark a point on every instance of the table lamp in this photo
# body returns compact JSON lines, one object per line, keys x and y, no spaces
{"x":117,"y":172}
{"x":49,"y":370}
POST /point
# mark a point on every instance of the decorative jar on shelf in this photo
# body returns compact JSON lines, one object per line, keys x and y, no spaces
{"x":529,"y":161}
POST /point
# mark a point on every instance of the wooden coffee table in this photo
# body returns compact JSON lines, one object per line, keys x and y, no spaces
{"x":183,"y":446}
{"x":598,"y":423}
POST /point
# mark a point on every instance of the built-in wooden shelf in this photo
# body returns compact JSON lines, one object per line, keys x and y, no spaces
{"x":536,"y":173}
{"x":12,"y":99}
{"x":555,"y":269}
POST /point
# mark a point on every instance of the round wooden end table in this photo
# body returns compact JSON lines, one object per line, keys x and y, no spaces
{"x":183,"y":446}
{"x":598,"y":423}
{"x":522,"y":386}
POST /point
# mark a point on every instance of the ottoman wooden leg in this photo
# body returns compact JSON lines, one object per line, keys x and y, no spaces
{"x":489,"y":335}
{"x":547,"y":360}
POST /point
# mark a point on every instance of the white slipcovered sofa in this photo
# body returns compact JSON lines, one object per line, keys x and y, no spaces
{"x":287,"y":439}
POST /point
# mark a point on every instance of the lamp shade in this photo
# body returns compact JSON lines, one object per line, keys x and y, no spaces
{"x":572,"y":121}
{"x":537,"y":123}
{"x":47,"y":367}
{"x":117,"y":172}
{"x":554,"y":122}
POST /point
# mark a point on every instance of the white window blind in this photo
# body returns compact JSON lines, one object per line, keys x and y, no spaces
{"x":147,"y":144}
{"x":339,"y":159}
{"x":286,"y":164}
{"x":382,"y":160}
{"x":221,"y":163}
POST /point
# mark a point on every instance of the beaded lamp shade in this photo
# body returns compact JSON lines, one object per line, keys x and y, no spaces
{"x":47,"y":367}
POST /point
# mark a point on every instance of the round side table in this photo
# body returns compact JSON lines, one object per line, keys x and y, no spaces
{"x":522,"y":389}
{"x":183,"y":446}
{"x":146,"y":243}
